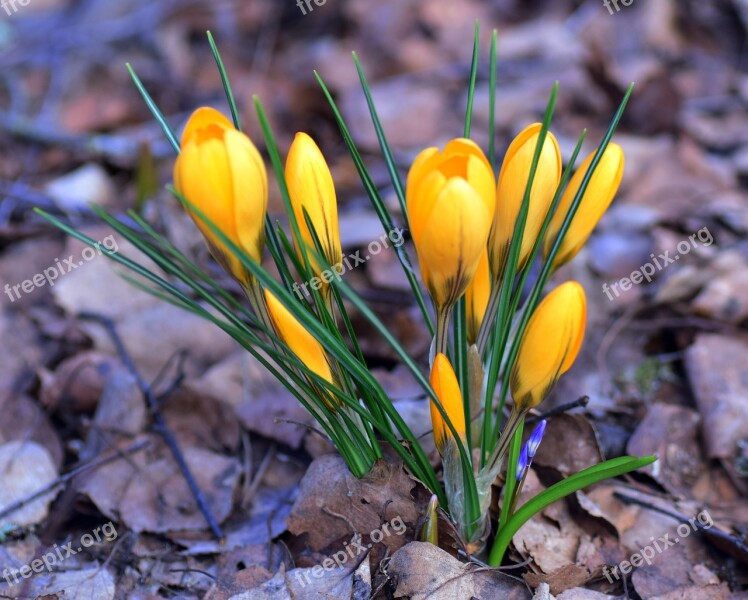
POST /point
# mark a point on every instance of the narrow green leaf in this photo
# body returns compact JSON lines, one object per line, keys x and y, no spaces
{"x":384,"y":145}
{"x":155,"y":111}
{"x":492,"y":102}
{"x":379,"y":206}
{"x":225,"y":81}
{"x":473,"y":79}
{"x":578,"y":481}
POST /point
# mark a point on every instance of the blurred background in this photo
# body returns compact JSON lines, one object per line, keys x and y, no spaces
{"x":663,"y":362}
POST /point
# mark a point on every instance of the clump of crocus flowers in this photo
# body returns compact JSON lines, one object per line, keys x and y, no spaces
{"x":478,"y":233}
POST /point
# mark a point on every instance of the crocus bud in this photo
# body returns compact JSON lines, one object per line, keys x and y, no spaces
{"x":513,"y":179}
{"x":311,"y":188}
{"x":530,"y":448}
{"x":523,"y":462}
{"x":599,"y":194}
{"x":302,"y":343}
{"x":476,"y":298}
{"x":550,"y":344}
{"x":444,"y":382}
{"x":221,"y":173}
{"x":533,"y":442}
{"x":450,"y":202}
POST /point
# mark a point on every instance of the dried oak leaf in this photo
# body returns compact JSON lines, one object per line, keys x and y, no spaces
{"x":333,"y":504}
{"x":424,"y":571}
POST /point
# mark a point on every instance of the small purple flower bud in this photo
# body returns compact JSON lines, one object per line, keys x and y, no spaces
{"x":522,"y":462}
{"x":533,"y":443}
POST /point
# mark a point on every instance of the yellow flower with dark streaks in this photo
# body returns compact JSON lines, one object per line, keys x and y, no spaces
{"x":550,"y":344}
{"x":450,"y":202}
{"x":222,"y":174}
{"x":311,"y":188}
{"x":444,"y":383}
{"x":510,"y":193}
{"x":597,"y":197}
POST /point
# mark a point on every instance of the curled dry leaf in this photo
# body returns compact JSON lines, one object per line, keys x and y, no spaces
{"x":77,"y":382}
{"x":334,"y":505}
{"x":423,"y":571}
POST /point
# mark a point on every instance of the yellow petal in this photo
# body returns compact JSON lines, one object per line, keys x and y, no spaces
{"x":451,"y":199}
{"x":510,"y":193}
{"x":600,"y":192}
{"x":446,"y":388}
{"x":550,"y":344}
{"x":453,"y":240}
{"x":476,"y":298}
{"x":222,"y":175}
{"x":201,"y":118}
{"x":250,"y":189}
{"x":311,"y":187}
{"x":302,"y":343}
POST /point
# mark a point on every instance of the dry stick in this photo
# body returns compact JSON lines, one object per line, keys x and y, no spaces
{"x":580,"y":402}
{"x":62,"y":479}
{"x":698,"y":525}
{"x":159,"y":423}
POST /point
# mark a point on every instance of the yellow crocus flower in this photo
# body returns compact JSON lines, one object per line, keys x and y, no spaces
{"x":222,"y":174}
{"x":450,"y":203}
{"x":600,"y":191}
{"x":510,"y":192}
{"x":302,"y":343}
{"x":476,"y":298}
{"x":550,"y":344}
{"x":444,"y":382}
{"x":311,"y":188}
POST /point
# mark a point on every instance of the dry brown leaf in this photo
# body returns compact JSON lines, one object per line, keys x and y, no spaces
{"x":569,"y":445}
{"x":94,"y":583}
{"x":24,"y":420}
{"x":334,"y":505}
{"x":716,"y":368}
{"x":25,"y":468}
{"x":330,"y":582}
{"x":423,"y":571}
{"x":147,"y":492}
{"x":671,"y":432}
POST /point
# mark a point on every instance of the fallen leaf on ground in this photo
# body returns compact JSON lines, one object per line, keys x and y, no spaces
{"x":423,"y":571}
{"x":25,"y":468}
